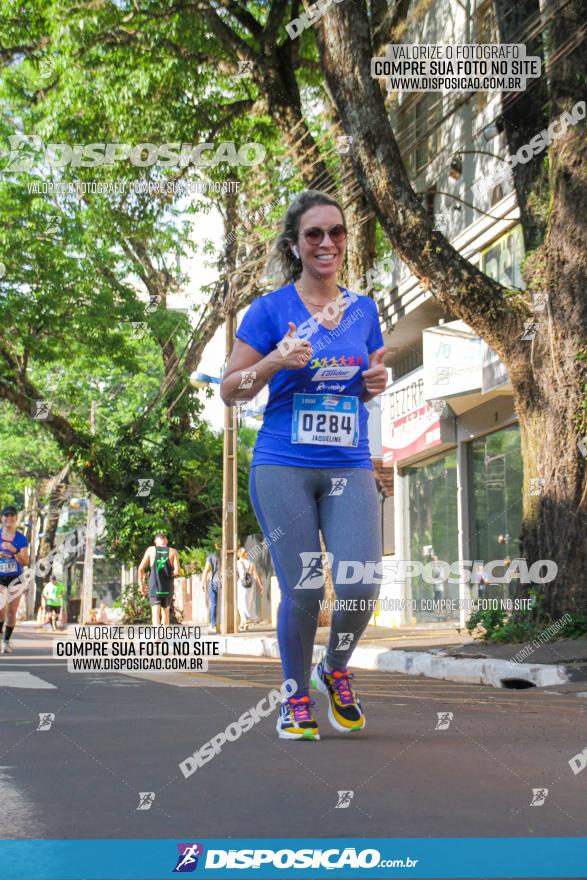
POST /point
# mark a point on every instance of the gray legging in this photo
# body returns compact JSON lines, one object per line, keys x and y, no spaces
{"x":300,"y":502}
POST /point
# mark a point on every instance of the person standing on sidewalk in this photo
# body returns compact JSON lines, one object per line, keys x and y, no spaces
{"x":247,"y":577}
{"x":14,"y":555}
{"x":319,"y":348}
{"x":437,"y":575}
{"x":211,"y":582}
{"x":163,"y":564}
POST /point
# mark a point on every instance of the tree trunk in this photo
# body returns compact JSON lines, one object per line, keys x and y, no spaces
{"x":554,"y":522}
{"x":360,"y":251}
{"x":57,"y":488}
{"x":552,"y":412}
{"x":524,"y":115}
{"x":553,"y":416}
{"x":32,"y":515}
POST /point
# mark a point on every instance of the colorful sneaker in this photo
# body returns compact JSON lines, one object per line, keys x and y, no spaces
{"x":296,"y":721}
{"x":344,"y":709}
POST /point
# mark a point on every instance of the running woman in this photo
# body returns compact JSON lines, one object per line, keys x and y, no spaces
{"x":163,"y":562}
{"x":14,"y":555}
{"x":319,"y":348}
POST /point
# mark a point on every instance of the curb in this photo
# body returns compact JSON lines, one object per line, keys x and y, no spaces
{"x":432,"y":664}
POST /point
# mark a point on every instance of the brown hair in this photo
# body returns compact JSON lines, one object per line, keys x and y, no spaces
{"x":288,"y":266}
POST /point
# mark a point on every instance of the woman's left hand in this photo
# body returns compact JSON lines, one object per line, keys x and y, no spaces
{"x":375,"y":378}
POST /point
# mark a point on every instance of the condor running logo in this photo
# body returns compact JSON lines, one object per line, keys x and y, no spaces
{"x":187,"y":860}
{"x":329,"y":373}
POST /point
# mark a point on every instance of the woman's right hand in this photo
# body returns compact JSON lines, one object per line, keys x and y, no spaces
{"x":292,"y":353}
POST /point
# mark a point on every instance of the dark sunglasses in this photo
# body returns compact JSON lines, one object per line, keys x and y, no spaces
{"x":314,"y":235}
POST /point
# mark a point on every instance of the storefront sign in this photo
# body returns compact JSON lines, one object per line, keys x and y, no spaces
{"x":410,"y":425}
{"x":453,"y":360}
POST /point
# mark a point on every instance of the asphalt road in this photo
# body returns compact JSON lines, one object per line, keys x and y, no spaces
{"x":117,"y":735}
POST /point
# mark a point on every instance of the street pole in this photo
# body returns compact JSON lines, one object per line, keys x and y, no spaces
{"x":229,"y":456}
{"x":31,"y":596}
{"x":227,"y":604}
{"x":88,"y":580}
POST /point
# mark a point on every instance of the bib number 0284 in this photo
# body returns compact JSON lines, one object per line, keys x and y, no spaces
{"x":330,"y":423}
{"x":325,"y":419}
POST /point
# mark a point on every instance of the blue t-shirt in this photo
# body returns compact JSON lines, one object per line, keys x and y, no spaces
{"x":9,"y":566}
{"x":339,"y":358}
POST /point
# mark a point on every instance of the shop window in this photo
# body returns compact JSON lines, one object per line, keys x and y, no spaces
{"x":496,"y":496}
{"x":410,"y":361}
{"x":497,"y":195}
{"x":485,"y":26}
{"x":433,"y":530}
{"x":419,"y":131}
{"x":503,"y":259}
{"x":430,"y":197}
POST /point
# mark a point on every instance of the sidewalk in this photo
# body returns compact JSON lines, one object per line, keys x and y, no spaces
{"x":440,"y":651}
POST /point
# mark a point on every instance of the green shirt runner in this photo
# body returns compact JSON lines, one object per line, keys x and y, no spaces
{"x":54,"y":593}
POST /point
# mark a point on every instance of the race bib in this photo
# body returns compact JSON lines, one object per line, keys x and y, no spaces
{"x":325,"y":419}
{"x":8,"y":566}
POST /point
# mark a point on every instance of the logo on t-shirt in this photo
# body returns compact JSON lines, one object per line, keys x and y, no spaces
{"x":325,"y":373}
{"x":330,"y":386}
{"x":342,"y":361}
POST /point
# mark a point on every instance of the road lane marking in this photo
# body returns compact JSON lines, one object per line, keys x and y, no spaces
{"x":187,"y":679}
{"x":31,"y":665}
{"x":24,"y":680}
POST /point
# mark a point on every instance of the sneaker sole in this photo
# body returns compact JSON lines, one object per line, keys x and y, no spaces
{"x":309,"y":735}
{"x":317,"y":683}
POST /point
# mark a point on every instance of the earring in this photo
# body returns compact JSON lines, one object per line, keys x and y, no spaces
{"x":295,"y":252}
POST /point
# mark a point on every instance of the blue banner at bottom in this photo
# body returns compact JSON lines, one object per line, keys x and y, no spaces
{"x":303,"y":858}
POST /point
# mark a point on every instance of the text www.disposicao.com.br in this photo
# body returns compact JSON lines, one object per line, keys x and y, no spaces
{"x":136,"y":664}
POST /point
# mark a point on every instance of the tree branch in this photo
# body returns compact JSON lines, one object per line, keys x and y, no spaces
{"x":384,"y":20}
{"x":244,"y":16}
{"x":276,"y":14}
{"x":22,"y":394}
{"x":228,"y":37}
